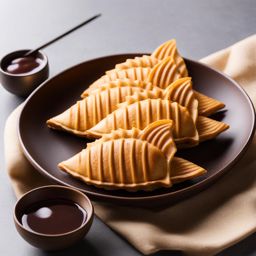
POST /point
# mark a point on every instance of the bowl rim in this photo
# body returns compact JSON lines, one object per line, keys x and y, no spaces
{"x":87,"y":222}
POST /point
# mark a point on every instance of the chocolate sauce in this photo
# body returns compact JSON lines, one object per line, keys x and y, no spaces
{"x":54,"y":216}
{"x":24,"y":65}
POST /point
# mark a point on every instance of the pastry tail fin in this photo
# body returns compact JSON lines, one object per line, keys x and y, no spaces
{"x":159,"y":133}
{"x":208,"y":105}
{"x":173,"y":87}
{"x":209,"y":128}
{"x":182,"y":170}
{"x":167,"y":49}
{"x":181,"y":92}
{"x":164,"y":50}
{"x":164,"y":73}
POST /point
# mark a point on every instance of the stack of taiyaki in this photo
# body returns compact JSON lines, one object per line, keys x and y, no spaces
{"x":139,"y":112}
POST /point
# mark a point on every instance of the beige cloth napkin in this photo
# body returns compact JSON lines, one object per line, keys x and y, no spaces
{"x":205,"y":224}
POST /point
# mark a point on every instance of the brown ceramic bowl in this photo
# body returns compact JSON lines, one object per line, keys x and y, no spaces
{"x":57,"y":241}
{"x":23,"y":84}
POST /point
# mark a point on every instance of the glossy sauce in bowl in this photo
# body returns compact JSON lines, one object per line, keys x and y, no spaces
{"x":24,"y":65}
{"x":54,"y":216}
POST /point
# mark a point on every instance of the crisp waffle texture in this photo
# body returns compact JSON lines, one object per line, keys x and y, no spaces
{"x":180,"y":92}
{"x":179,"y":89}
{"x":93,"y":108}
{"x":132,"y":160}
{"x":121,"y":83}
{"x":207,"y":105}
{"x":140,"y":114}
{"x":208,"y":128}
{"x":164,"y":73}
{"x":88,"y":112}
{"x":145,"y":62}
{"x":138,"y":73}
{"x":169,"y":49}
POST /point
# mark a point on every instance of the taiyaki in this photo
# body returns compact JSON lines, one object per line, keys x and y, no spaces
{"x":134,"y":74}
{"x":142,"y":113}
{"x":79,"y":119}
{"x":161,"y":75}
{"x":167,"y":49}
{"x":132,"y":160}
{"x":86,"y":113}
{"x":180,"y":91}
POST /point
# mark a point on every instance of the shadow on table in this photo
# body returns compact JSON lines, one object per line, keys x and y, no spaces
{"x":245,"y":247}
{"x":80,"y":249}
{"x":102,"y":241}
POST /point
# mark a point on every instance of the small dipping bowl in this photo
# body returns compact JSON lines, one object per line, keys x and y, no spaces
{"x":22,"y":84}
{"x":46,"y":194}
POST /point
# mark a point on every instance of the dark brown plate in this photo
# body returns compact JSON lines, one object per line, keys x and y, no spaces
{"x":45,"y":148}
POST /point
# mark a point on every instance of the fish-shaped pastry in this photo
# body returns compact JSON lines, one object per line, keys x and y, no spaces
{"x":167,"y":49}
{"x":86,"y":116}
{"x":161,"y":75}
{"x":164,"y":73}
{"x":132,"y":160}
{"x":142,"y":113}
{"x":88,"y":112}
{"x":179,"y":91}
{"x":134,"y":74}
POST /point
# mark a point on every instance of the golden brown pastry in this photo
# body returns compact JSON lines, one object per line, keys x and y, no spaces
{"x":169,"y":49}
{"x":209,"y":128}
{"x":161,"y":75}
{"x":121,"y":83}
{"x":125,"y":108}
{"x":124,"y":163}
{"x":88,"y":112}
{"x":132,"y":160}
{"x":208,"y":106}
{"x":164,"y":73}
{"x":159,"y":134}
{"x":145,"y":61}
{"x":139,"y":67}
{"x":178,"y":90}
{"x":140,"y":114}
{"x":183,"y":170}
{"x":131,"y":73}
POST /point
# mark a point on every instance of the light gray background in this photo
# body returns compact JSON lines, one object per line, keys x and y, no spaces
{"x":201,"y":27}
